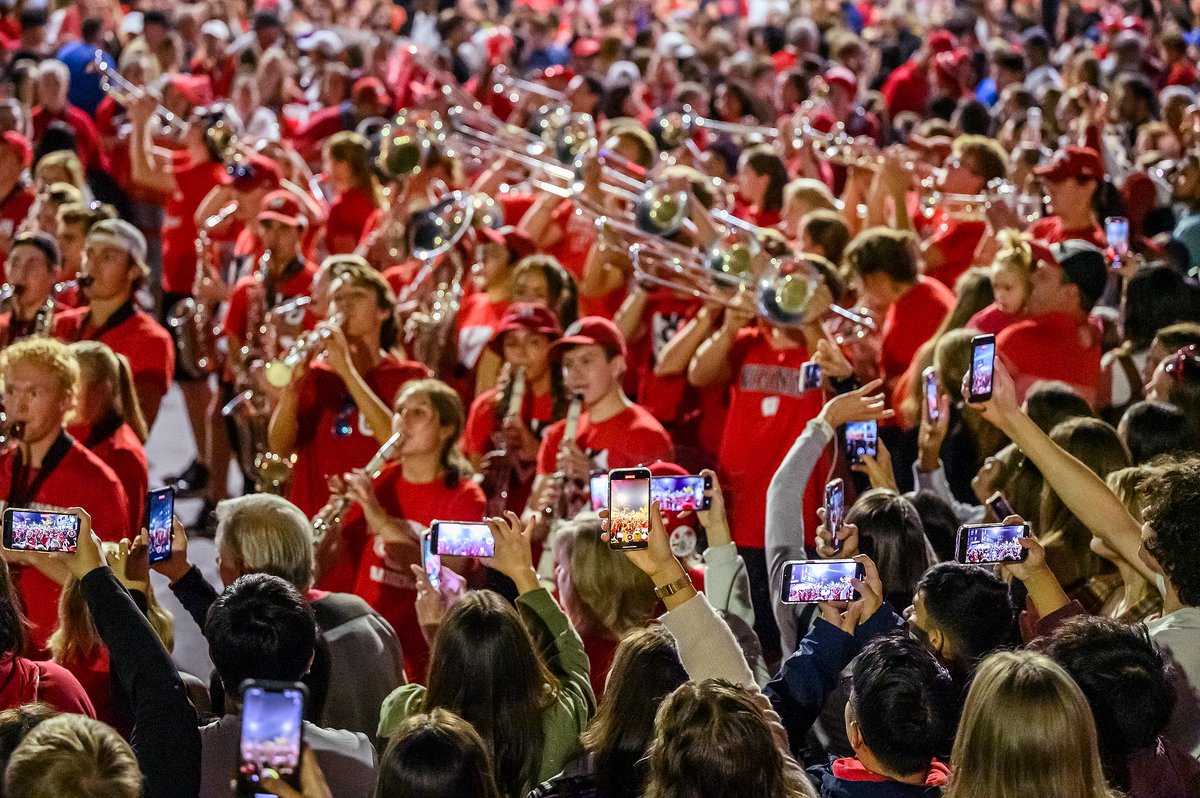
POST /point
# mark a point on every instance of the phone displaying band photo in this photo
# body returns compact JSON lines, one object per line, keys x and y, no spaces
{"x":983,"y":364}
{"x":1116,"y":234}
{"x":862,"y":437}
{"x":984,"y":544}
{"x":629,"y":508}
{"x":679,"y":494}
{"x":810,"y":376}
{"x":37,"y":530}
{"x":463,"y":538}
{"x":931,"y":393}
{"x":1000,"y":506}
{"x":272,"y":730}
{"x":809,"y":581}
{"x":160,"y":508}
{"x":835,"y":510}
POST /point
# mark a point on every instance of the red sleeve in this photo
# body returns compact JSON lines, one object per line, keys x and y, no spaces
{"x":111,"y":522}
{"x":481,"y":423}
{"x":547,"y":457}
{"x":235,"y":317}
{"x":468,"y":503}
{"x":348,"y":218}
{"x":61,"y":690}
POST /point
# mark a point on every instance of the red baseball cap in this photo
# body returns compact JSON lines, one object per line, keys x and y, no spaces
{"x":256,"y":171}
{"x":370,"y":89}
{"x":939,"y":41}
{"x":519,"y":245}
{"x":1081,"y":162}
{"x":590,"y":331}
{"x":19,"y":145}
{"x":282,"y":206}
{"x":841,"y":76}
{"x":530,"y":316}
{"x":196,"y":88}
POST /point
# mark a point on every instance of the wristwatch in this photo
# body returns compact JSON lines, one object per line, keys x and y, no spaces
{"x":672,"y":588}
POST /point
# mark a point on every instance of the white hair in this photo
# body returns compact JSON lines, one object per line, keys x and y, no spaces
{"x":267,"y":534}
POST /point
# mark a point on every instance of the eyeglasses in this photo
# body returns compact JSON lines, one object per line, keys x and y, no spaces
{"x":241,"y":171}
{"x":1184,"y":364}
{"x":342,"y":426}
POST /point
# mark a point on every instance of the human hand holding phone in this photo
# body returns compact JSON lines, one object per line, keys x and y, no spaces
{"x":130,"y":562}
{"x":847,"y":536}
{"x":847,"y":616}
{"x":1040,"y":582}
{"x":932,"y":434}
{"x":312,"y":780}
{"x":714,"y":519}
{"x":176,"y":566}
{"x":656,"y":560}
{"x":878,"y":468}
{"x":89,"y":552}
{"x":514,"y":557}
{"x":1003,"y":406}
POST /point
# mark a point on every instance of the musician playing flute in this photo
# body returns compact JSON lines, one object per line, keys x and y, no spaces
{"x":379,"y":541}
{"x":114,"y":268}
{"x":335,"y":411}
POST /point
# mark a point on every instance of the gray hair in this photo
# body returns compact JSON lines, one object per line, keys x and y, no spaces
{"x":269,"y":535}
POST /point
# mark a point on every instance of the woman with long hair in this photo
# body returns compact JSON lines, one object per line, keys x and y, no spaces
{"x":108,"y":420}
{"x":1026,"y":730}
{"x":528,"y":700}
{"x":428,"y":478}
{"x":356,"y":191}
{"x":761,"y":177}
{"x":436,"y":755}
{"x":541,"y":279}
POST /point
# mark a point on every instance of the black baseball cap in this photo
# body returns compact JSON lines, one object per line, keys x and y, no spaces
{"x":1084,"y":264}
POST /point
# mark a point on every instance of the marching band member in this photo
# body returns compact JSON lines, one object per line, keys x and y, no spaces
{"x":48,"y":469}
{"x":16,"y":196}
{"x":74,"y":222}
{"x":379,"y":540}
{"x":114,"y":268}
{"x":33,"y":269}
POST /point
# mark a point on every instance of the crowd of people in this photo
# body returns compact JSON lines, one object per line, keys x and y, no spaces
{"x":413,"y":264}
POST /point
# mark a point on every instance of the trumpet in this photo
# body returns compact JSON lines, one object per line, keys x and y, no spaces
{"x":112,"y":81}
{"x":280,"y":370}
{"x":515,"y":89}
{"x":329,"y":518}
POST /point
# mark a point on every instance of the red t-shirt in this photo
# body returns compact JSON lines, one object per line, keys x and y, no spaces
{"x":907,"y":88}
{"x":193,"y":181}
{"x":631,"y":438}
{"x":477,"y":321}
{"x":1050,"y":229}
{"x":87,"y":139}
{"x":992,"y":320}
{"x":665,"y":314}
{"x":383,"y":577}
{"x":767,"y":411}
{"x":142,"y":340}
{"x":956,"y":240}
{"x":320,"y":126}
{"x":236,"y":317}
{"x":81,"y":479}
{"x":125,"y":455}
{"x":910,"y":322}
{"x":1183,"y":73}
{"x":13,"y":211}
{"x":23,"y":681}
{"x":1052,"y":346}
{"x":93,"y":676}
{"x":482,"y":423}
{"x":326,"y":409}
{"x":347,"y":221}
{"x":571,"y":251}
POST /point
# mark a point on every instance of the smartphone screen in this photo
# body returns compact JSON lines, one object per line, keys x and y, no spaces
{"x":981,"y":544}
{"x":810,"y":376}
{"x":677,"y":494}
{"x":835,"y":510}
{"x":463,"y":538}
{"x":861,"y":438}
{"x":983,"y":362}
{"x":808,"y":581}
{"x":430,"y":561}
{"x":1000,"y":505}
{"x":1116,"y":232}
{"x":160,"y":507}
{"x":272,"y":725}
{"x":931,"y":393}
{"x":599,"y":488}
{"x":36,"y":530}
{"x":629,"y":508}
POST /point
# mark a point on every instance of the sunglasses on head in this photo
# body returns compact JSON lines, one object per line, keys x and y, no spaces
{"x":1183,"y":364}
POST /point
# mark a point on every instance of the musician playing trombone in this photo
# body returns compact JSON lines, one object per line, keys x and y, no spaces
{"x":334,"y":412}
{"x":33,"y":269}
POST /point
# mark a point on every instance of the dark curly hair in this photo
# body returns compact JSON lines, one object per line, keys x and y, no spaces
{"x":1171,"y":501}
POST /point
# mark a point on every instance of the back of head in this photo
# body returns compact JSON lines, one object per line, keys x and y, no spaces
{"x":1125,"y":681}
{"x":260,"y":628}
{"x":939,"y":522}
{"x":15,"y":725}
{"x":881,"y":250}
{"x":73,"y":755}
{"x":970,"y":606}
{"x":1170,"y":505}
{"x":1151,"y":429}
{"x":1026,"y":730}
{"x":901,"y":699}
{"x":266,"y":534}
{"x":1050,"y":402}
{"x":1095,"y":444}
{"x":436,"y":755}
{"x":712,"y":740}
{"x":891,"y":534}
{"x":645,"y":670}
{"x":604,"y":592}
{"x":827,"y":229}
{"x":1156,"y":297}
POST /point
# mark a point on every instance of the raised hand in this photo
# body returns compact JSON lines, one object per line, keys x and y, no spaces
{"x":714,"y":519}
{"x":176,"y":566}
{"x":870,"y":592}
{"x":863,"y":404}
{"x":848,"y":535}
{"x":513,"y":557}
{"x":1003,"y":406}
{"x":878,"y":468}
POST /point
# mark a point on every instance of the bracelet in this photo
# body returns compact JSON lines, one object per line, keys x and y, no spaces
{"x":671,"y":589}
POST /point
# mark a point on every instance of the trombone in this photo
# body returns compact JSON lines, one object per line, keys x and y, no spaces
{"x":112,"y":81}
{"x":514,"y":88}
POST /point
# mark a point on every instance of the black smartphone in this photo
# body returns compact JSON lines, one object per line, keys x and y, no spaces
{"x":985,"y":544}
{"x":40,"y":530}
{"x":430,"y":561}
{"x":808,"y":581}
{"x":931,"y":393}
{"x":1000,"y":506}
{"x":160,"y":508}
{"x":629,"y":508}
{"x":272,"y":731}
{"x":462,"y":538}
{"x":862,"y":437}
{"x":1116,"y":233}
{"x":835,"y":510}
{"x":810,"y":376}
{"x":983,"y":364}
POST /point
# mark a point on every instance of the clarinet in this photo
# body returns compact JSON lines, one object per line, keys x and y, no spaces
{"x":502,"y":463}
{"x":329,"y":518}
{"x":571,"y":490}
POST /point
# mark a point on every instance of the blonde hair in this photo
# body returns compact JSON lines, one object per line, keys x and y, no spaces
{"x":75,"y":639}
{"x":267,"y":534}
{"x":46,"y":353}
{"x":73,"y":755}
{"x":1026,"y":729}
{"x":69,"y":162}
{"x":608,"y":594}
{"x":810,"y":191}
{"x":1014,"y":254}
{"x":100,"y":364}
